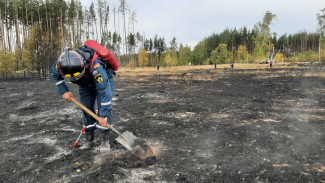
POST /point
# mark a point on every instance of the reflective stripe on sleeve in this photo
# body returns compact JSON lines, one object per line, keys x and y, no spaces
{"x":106,"y":103}
{"x":59,"y":82}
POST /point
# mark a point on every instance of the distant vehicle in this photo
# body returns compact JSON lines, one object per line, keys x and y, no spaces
{"x":271,"y":57}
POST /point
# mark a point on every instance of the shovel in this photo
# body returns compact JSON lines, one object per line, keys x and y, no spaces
{"x":127,"y":139}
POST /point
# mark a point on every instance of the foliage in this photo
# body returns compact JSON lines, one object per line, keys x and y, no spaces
{"x":279,"y":57}
{"x":308,"y":56}
{"x":242,"y":54}
{"x":131,"y":42}
{"x":143,"y":58}
{"x":221,"y":54}
{"x":184,"y":55}
{"x":262,"y":39}
{"x":170,"y":57}
{"x":132,"y":62}
{"x":321,"y":20}
{"x":199,"y":53}
{"x":46,"y":27}
{"x":7,"y":62}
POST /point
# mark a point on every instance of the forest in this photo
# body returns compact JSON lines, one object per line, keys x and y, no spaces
{"x":33,"y":33}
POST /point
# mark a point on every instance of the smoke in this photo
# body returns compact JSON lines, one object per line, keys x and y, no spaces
{"x":146,"y":153}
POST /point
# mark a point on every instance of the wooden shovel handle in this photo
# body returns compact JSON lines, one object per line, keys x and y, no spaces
{"x":86,"y":110}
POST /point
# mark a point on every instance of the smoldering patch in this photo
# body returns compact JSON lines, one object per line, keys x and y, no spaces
{"x":139,"y":157}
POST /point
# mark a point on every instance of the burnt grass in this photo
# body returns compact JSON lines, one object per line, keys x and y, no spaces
{"x":209,"y":126}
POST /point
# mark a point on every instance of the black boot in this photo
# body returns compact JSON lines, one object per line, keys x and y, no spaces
{"x":104,"y":137}
{"x":90,"y":135}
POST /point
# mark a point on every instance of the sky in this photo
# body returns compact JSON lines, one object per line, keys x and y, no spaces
{"x":190,"y":21}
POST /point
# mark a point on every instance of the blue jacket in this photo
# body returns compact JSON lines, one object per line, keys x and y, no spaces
{"x":98,"y":77}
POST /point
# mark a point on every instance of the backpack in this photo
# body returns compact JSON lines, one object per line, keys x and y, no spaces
{"x":104,"y":54}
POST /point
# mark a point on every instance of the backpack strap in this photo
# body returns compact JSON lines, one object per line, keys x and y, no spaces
{"x":93,"y":60}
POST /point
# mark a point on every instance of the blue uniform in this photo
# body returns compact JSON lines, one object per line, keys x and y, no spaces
{"x":95,"y":85}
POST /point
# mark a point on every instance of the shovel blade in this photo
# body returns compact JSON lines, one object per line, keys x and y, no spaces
{"x":127,"y":139}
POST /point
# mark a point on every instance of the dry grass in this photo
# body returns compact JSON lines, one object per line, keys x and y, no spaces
{"x":259,"y":70}
{"x":197,"y":67}
{"x":153,"y":70}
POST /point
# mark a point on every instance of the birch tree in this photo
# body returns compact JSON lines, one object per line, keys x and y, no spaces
{"x":123,"y":8}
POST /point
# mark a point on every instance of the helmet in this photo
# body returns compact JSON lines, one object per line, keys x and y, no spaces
{"x":71,"y":64}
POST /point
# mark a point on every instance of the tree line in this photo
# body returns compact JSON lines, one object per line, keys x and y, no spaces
{"x":33,"y":33}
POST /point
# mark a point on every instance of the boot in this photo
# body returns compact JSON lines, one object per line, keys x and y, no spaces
{"x":90,"y":135}
{"x":104,"y":137}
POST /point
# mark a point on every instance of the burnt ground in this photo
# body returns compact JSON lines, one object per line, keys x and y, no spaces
{"x":208,"y":125}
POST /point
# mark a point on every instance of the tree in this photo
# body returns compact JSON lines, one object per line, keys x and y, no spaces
{"x":242,"y":54}
{"x":184,"y":55}
{"x":161,"y":47}
{"x":262,"y":39}
{"x":321,"y":23}
{"x":7,"y":61}
{"x":131,"y":43}
{"x":173,"y":45}
{"x":200,"y":53}
{"x":123,"y":8}
{"x":72,"y":14}
{"x":170,"y":57}
{"x":93,"y":19}
{"x":79,"y":24}
{"x":221,"y":54}
{"x":279,"y":57}
{"x":106,"y":20}
{"x":143,"y":58}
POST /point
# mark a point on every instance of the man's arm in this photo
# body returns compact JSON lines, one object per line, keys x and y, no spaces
{"x":59,"y":82}
{"x":104,"y":93}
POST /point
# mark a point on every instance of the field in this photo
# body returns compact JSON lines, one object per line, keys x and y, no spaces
{"x":248,"y":124}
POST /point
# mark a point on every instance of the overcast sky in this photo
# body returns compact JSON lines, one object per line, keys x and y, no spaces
{"x":192,"y":20}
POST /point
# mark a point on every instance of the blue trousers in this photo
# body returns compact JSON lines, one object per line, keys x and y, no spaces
{"x":89,"y":98}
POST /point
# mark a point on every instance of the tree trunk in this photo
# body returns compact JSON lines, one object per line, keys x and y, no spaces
{"x":8,"y":35}
{"x":17,"y":36}
{"x":47,"y":19}
{"x":2,"y":33}
{"x":27,"y":25}
{"x":51,"y":33}
{"x":39,"y":20}
{"x":125,"y":42}
{"x":61,"y":29}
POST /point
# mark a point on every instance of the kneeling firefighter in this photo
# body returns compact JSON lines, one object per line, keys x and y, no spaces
{"x":95,"y":80}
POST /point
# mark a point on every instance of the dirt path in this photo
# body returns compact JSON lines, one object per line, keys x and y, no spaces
{"x":208,"y":125}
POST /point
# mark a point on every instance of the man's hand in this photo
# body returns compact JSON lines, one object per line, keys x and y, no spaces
{"x":67,"y":96}
{"x":103,"y":122}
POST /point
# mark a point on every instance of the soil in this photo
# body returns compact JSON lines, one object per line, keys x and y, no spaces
{"x":205,"y":125}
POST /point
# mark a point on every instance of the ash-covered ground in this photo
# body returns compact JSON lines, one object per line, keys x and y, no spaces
{"x":207,"y":125}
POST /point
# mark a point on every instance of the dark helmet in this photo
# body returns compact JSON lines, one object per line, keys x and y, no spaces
{"x":71,"y":64}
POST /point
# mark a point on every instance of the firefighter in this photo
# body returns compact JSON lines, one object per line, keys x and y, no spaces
{"x":95,"y":82}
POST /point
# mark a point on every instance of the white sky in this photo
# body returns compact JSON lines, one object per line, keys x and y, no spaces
{"x":192,"y":20}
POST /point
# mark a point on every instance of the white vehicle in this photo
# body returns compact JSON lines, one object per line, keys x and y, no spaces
{"x":271,"y":57}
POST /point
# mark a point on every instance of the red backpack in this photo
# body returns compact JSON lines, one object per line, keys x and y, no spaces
{"x":103,"y":53}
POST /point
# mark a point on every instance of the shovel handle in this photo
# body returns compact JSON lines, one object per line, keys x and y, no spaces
{"x":87,"y":110}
